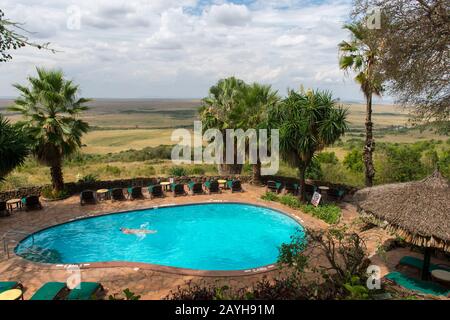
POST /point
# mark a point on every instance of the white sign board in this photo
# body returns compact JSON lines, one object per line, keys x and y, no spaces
{"x":316,"y":199}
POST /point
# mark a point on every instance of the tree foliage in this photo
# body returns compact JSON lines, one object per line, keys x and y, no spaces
{"x":414,"y":53}
{"x":308,"y":122}
{"x":13,"y":147}
{"x":50,"y":109}
{"x":11,"y":39}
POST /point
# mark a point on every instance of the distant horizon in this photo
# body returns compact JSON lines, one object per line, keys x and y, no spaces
{"x":380,"y":102}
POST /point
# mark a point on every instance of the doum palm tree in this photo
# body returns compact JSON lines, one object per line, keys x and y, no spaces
{"x":222,"y":110}
{"x":360,"y":55}
{"x":258,"y":100}
{"x":51,"y":109}
{"x":308,"y":122}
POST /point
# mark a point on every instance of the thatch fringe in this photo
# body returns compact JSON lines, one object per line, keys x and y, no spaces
{"x":415,"y":239}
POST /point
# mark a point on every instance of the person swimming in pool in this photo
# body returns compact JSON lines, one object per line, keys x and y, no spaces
{"x":137,"y":231}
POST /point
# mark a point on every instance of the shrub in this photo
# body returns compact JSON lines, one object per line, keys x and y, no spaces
{"x":290,"y":201}
{"x":51,"y":194}
{"x":89,"y":178}
{"x":327,"y":157}
{"x":197,"y":170}
{"x":270,"y":196}
{"x":177,"y":171}
{"x":314,"y":170}
{"x":329,"y":213}
{"x":402,"y":164}
{"x":354,"y":160}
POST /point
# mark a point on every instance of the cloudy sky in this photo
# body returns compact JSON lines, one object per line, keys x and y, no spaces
{"x":179,"y":48}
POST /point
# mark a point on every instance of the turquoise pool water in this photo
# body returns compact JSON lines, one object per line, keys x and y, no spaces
{"x":225,"y":236}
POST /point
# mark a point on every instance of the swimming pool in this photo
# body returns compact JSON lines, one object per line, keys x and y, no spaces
{"x":216,"y":236}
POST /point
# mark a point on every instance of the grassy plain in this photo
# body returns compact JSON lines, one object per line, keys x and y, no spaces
{"x":120,"y":125}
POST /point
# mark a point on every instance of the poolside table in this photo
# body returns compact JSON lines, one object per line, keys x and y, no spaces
{"x":13,"y":294}
{"x":14,"y":204}
{"x":441,"y":275}
{"x":223,"y":183}
{"x":166,"y":185}
{"x":103,"y":194}
{"x":324,"y":193}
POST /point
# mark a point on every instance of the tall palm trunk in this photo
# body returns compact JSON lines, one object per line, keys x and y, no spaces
{"x":230,"y":168}
{"x":57,"y":177}
{"x":302,"y":174}
{"x":370,"y":144}
{"x":256,"y":179}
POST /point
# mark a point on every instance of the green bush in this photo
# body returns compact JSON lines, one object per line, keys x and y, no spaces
{"x":314,"y":171}
{"x":354,"y":160}
{"x":270,"y":196}
{"x":328,"y":213}
{"x":51,"y":194}
{"x":177,"y":171}
{"x":327,"y":157}
{"x":88,"y":178}
{"x":197,"y":170}
{"x":290,"y":201}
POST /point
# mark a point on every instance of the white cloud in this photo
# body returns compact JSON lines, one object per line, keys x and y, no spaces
{"x":229,"y":14}
{"x":178,"y":48}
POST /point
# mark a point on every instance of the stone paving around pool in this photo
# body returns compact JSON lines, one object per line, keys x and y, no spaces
{"x":149,"y":281}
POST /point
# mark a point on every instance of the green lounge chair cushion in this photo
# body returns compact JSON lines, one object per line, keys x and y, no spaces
{"x":207,"y":184}
{"x":7,"y":285}
{"x":49,"y":291}
{"x":191,"y":185}
{"x":230,"y":183}
{"x":418,"y":263}
{"x":421,"y":286}
{"x":85,"y":292}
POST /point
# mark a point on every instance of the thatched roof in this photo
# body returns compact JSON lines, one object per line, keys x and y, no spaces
{"x":418,"y":211}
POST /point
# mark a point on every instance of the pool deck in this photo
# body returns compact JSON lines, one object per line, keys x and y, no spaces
{"x":150,"y":281}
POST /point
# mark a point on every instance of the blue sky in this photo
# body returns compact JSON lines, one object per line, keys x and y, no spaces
{"x":179,"y":48}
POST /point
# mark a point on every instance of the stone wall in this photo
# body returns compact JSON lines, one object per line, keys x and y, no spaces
{"x":76,"y":188}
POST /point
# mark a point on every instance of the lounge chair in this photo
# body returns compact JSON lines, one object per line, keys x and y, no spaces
{"x":117,"y":194}
{"x":291,"y":188}
{"x":196,"y":188}
{"x":178,"y":189}
{"x":8,"y":285}
{"x":4,"y":212}
{"x":88,"y":197}
{"x":418,"y":264}
{"x":135,"y":193}
{"x":273,"y":186}
{"x":336,"y":193}
{"x":156,"y":191}
{"x":425,"y":287}
{"x":309,"y":188}
{"x":32,"y":203}
{"x":51,"y":291}
{"x":212,"y":187}
{"x":235,"y":186}
{"x":87,"y":291}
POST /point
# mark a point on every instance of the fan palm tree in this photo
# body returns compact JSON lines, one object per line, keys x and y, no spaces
{"x":13,"y":147}
{"x":258,"y":100}
{"x":308,"y":122}
{"x":222,"y":110}
{"x":360,"y":56}
{"x":51,"y":109}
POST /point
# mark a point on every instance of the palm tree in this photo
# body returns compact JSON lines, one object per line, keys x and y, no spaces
{"x":360,"y":55}
{"x":51,"y":109}
{"x":258,"y":100}
{"x":223,"y":110}
{"x":13,"y":147}
{"x":308,"y":122}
